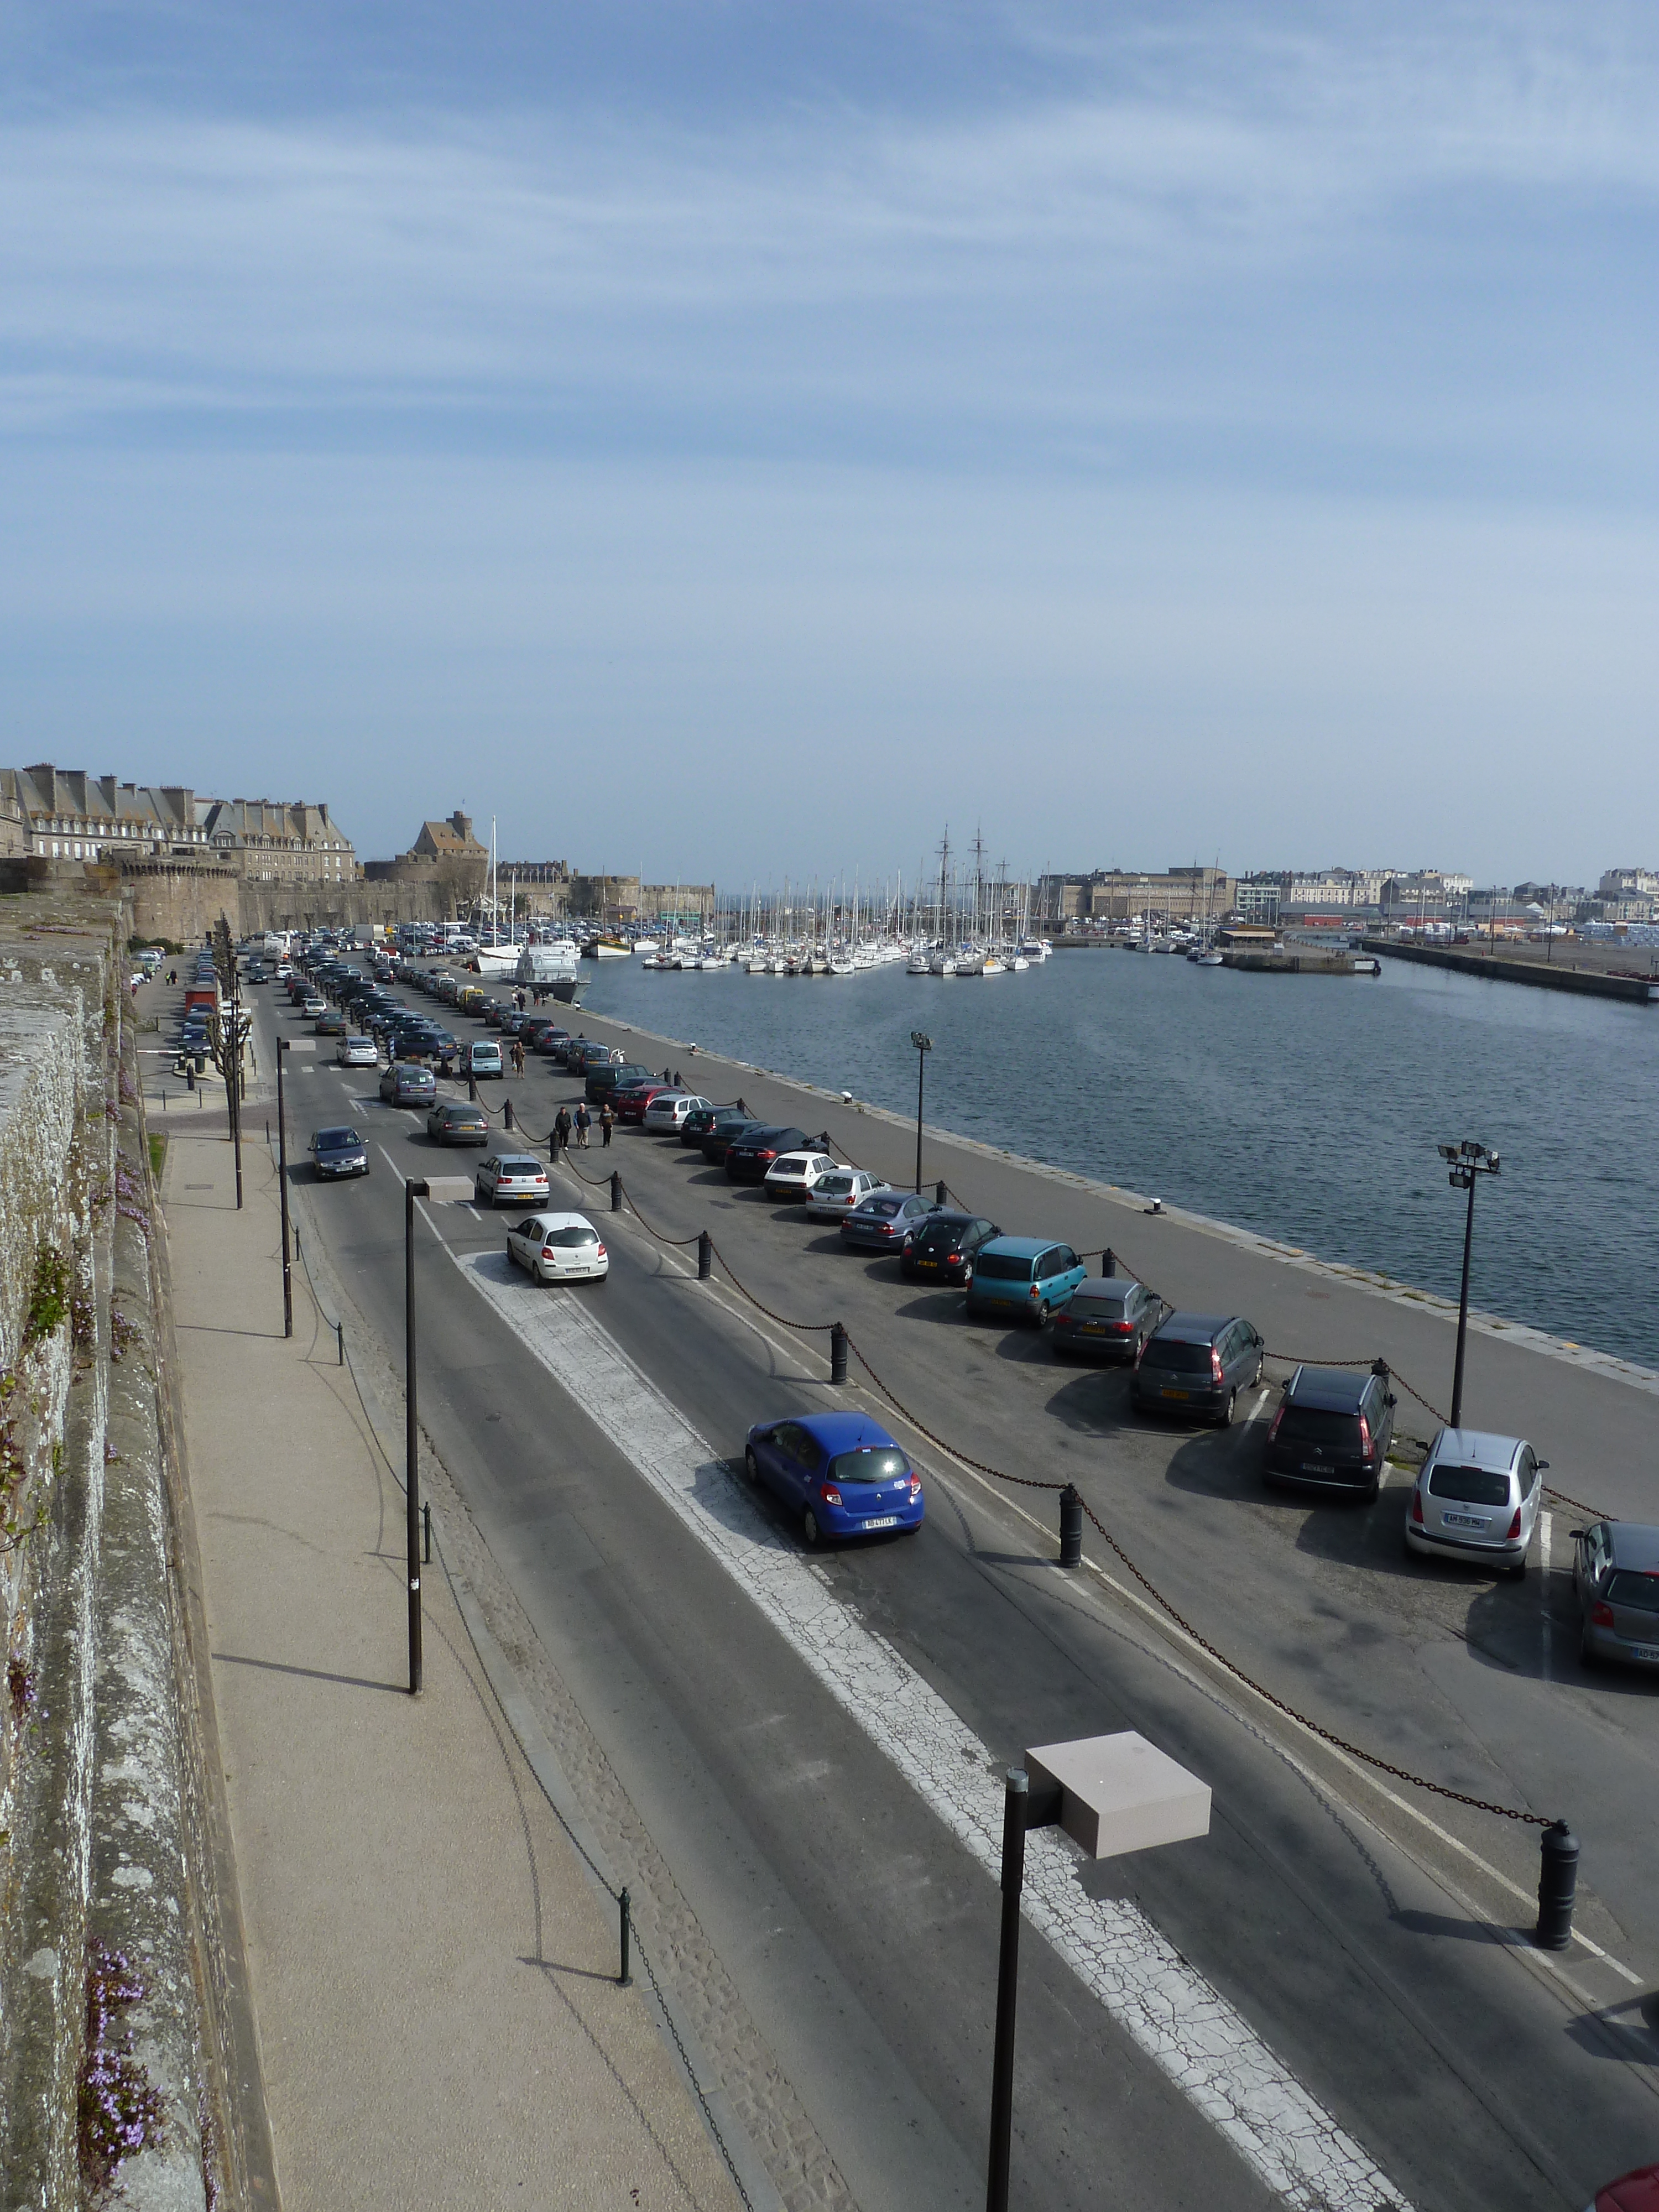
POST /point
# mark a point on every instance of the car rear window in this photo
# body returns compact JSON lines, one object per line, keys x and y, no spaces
{"x":835,"y":1186}
{"x":883,"y":1208}
{"x":1314,"y":1424}
{"x":572,"y":1236}
{"x":1002,"y":1267}
{"x":1470,"y":1486}
{"x":1177,"y":1358}
{"x":1109,"y":1305}
{"x":871,"y":1466}
{"x":940,"y":1234}
{"x":519,"y":1167}
{"x":1639,"y":1592}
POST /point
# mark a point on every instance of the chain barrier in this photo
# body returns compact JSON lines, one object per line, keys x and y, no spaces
{"x":801,"y":1328}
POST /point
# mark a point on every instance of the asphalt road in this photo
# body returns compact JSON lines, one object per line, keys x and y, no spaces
{"x":1363,"y":1948}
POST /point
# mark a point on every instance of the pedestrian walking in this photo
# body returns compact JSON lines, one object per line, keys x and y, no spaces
{"x":607,"y":1123}
{"x":562,"y":1131}
{"x":584,"y":1122}
{"x":518,"y":1057}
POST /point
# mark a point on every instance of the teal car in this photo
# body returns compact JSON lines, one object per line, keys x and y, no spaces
{"x":1022,"y":1279}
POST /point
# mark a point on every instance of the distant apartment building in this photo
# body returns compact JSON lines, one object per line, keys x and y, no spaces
{"x":1119,"y":894}
{"x":67,"y":815}
{"x":1628,"y":883}
{"x":1430,"y":894}
{"x":1267,"y":894}
{"x":268,"y":842}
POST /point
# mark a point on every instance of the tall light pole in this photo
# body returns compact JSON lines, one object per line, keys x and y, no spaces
{"x":1468,"y":1163}
{"x":412,"y":1190}
{"x":282,"y":1179}
{"x":924,"y":1045}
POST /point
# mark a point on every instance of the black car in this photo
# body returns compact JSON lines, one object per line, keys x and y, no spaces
{"x":1197,"y":1363}
{"x":751,"y":1153}
{"x":724,"y":1135}
{"x":1332,"y":1429}
{"x":1109,"y":1318}
{"x":601,"y":1084}
{"x":703,"y":1122}
{"x":942,"y":1250}
{"x":339,"y":1152}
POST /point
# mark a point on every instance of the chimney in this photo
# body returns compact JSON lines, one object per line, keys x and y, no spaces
{"x":45,"y":782}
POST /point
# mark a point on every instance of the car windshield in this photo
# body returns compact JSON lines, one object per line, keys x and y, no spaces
{"x":1314,"y":1424}
{"x":1639,"y":1592}
{"x":1176,"y":1358}
{"x":571,"y":1236}
{"x":1002,"y":1267}
{"x":870,"y":1465}
{"x":338,"y":1140}
{"x":1470,"y":1486}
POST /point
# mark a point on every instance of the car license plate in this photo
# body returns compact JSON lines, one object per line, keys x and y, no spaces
{"x":1462,"y":1520}
{"x":1092,"y":1327}
{"x":927,"y":1263}
{"x":1650,"y":1651}
{"x":1182,"y":1394}
{"x":1314,"y":1467}
{"x":882,"y":1521}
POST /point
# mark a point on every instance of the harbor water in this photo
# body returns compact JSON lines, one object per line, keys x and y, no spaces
{"x":1305,"y":1109}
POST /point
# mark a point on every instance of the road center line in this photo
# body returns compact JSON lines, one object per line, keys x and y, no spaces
{"x":1186,"y":2027}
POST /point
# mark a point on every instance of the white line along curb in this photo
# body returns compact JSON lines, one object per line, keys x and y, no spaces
{"x":1204,"y":2045}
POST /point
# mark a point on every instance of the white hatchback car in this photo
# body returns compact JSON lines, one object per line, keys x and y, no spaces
{"x":798,"y":1174}
{"x":358,"y":1052}
{"x":1476,"y":1499}
{"x":518,"y":1176}
{"x":667,"y":1111}
{"x":835,"y":1195}
{"x":559,"y":1247}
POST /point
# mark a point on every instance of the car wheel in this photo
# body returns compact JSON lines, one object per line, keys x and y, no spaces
{"x":966,"y":1277}
{"x":1589,"y":1657}
{"x":751,"y":1465}
{"x":1517,"y":1573}
{"x":1227,"y":1411}
{"x":477,"y":1193}
{"x":1042,"y":1313}
{"x":810,"y":1528}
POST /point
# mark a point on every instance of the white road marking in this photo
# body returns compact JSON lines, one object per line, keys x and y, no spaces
{"x":1204,"y":2045}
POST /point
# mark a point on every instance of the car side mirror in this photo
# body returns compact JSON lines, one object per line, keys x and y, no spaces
{"x":1390,"y":1399}
{"x":1539,"y":1465}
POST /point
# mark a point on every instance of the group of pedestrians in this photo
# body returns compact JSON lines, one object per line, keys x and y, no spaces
{"x":566,"y":1124}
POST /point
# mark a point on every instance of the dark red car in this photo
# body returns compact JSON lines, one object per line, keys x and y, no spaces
{"x":630,"y":1100}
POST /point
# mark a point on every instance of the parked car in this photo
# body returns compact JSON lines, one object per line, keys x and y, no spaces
{"x":670,"y":1111}
{"x":559,"y":1247}
{"x":834,"y":1196}
{"x":841,"y":1472}
{"x":1109,"y":1317}
{"x":554,"y":1043}
{"x":1022,"y":1279}
{"x":456,"y":1122}
{"x":630,"y":1100}
{"x":1197,"y":1363}
{"x":1476,"y":1499}
{"x":885,"y":1221}
{"x":482,"y":1058}
{"x":602,"y":1079}
{"x":944,"y":1247}
{"x":311,"y":1004}
{"x":1616,"y":1579}
{"x":725,"y":1126}
{"x":332,"y":1023}
{"x":358,"y":1052}
{"x":795,"y":1176}
{"x":406,"y":1082}
{"x":1637,"y":2191}
{"x":518,"y":1176}
{"x":750,"y":1154}
{"x":336,"y":1152}
{"x":1332,"y":1429}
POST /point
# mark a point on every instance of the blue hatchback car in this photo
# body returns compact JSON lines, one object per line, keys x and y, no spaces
{"x":1024,"y":1279}
{"x":841,"y":1472}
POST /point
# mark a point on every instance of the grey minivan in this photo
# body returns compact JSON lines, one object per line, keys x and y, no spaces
{"x":1196,"y":1364}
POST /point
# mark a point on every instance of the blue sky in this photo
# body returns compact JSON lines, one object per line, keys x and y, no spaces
{"x":734,"y":439}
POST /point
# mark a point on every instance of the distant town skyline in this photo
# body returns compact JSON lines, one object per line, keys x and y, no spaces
{"x":741,"y":440}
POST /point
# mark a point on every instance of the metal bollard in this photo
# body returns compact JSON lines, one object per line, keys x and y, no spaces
{"x":339,"y":1335}
{"x":1108,"y":1264}
{"x":1558,"y":1886}
{"x":939,"y":1191}
{"x":1071,"y":1526}
{"x":624,"y":1977}
{"x":426,"y":1528}
{"x":616,"y":1190}
{"x":507,"y":1113}
{"x":705,"y":1255}
{"x":471,"y":1086}
{"x":837,"y":1352}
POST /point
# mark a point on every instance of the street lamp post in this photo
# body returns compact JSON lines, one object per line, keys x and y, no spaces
{"x":924,"y":1045}
{"x":281,"y":1182}
{"x":412,"y":1190}
{"x":1111,"y":1793}
{"x":1468,"y":1163}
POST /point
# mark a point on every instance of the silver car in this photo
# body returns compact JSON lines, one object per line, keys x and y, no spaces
{"x":358,"y":1052}
{"x":517,"y":1176}
{"x":1476,"y":1499}
{"x":835,"y":1195}
{"x":1616,"y":1579}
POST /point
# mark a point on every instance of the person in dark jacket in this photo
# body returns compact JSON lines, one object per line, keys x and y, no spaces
{"x":561,"y":1131}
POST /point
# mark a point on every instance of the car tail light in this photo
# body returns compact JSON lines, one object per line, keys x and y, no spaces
{"x":1215,"y":1363}
{"x":828,"y":1494}
{"x":1274,"y":1429}
{"x":1600,"y":1614}
{"x":953,"y":1258}
{"x":1417,"y":1509}
{"x":1364,"y":1437}
{"x":1035,"y":1291}
{"x":1121,"y":1327}
{"x":765,"y":1156}
{"x":1515,"y":1526}
{"x":915,"y":1484}
{"x":549,"y":1252}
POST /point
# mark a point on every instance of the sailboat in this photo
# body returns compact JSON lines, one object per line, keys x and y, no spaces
{"x":495,"y":959}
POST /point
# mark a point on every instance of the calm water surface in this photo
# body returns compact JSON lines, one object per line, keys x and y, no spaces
{"x":1305,"y":1107}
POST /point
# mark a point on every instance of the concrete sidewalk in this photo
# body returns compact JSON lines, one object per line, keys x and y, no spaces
{"x":432,"y":1969}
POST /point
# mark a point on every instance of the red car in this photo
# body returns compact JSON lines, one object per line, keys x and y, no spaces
{"x":630,"y":1100}
{"x":1632,"y":2193}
